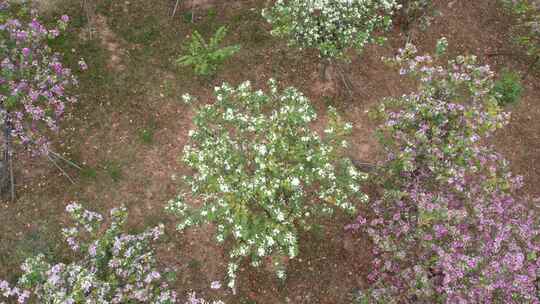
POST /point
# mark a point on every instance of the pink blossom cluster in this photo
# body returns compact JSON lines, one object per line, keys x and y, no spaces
{"x":449,"y":226}
{"x":33,"y":80}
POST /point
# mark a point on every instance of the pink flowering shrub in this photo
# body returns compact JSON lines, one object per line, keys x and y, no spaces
{"x":33,"y":80}
{"x":111,"y":266}
{"x":448,"y":227}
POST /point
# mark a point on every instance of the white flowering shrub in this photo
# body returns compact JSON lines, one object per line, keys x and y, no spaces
{"x":330,"y":26}
{"x":261,"y":173}
{"x":111,"y":266}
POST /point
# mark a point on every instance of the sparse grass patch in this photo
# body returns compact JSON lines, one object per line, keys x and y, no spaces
{"x":146,"y":135}
{"x":89,"y":173}
{"x":114,"y":170}
{"x":194,"y":265}
{"x":211,"y":13}
{"x":248,"y":26}
{"x":168,"y":88}
{"x":96,"y":57}
{"x":318,"y":231}
{"x":37,"y":241}
{"x":143,"y":31}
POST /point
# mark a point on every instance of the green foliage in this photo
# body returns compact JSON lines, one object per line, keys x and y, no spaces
{"x":318,"y":231}
{"x":527,"y":28}
{"x":144,"y":32}
{"x":89,"y":173}
{"x":187,"y":17}
{"x":146,"y":134}
{"x":195,"y":265}
{"x":206,"y":57}
{"x":441,"y":46}
{"x":211,"y":13}
{"x":114,"y":170}
{"x":508,"y":88}
{"x":39,"y":240}
{"x":261,"y":173}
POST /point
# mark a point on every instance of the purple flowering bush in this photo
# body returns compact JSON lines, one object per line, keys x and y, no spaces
{"x":33,"y":80}
{"x":111,"y":266}
{"x":449,"y":226}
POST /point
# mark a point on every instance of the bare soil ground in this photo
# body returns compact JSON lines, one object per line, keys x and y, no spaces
{"x":129,"y":129}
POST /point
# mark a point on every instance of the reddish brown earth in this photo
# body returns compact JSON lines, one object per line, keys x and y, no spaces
{"x":143,"y":91}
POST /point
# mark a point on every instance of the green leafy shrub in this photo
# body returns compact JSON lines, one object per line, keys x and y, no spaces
{"x":508,"y":88}
{"x":261,"y":173}
{"x":206,"y":57}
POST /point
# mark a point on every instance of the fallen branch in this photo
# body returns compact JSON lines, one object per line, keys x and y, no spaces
{"x":346,"y":81}
{"x":69,"y":162}
{"x":61,"y":170}
{"x":175,"y":8}
{"x":363,"y":166}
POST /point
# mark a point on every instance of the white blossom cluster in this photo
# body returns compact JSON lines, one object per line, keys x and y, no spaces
{"x":330,"y":26}
{"x":261,"y":172}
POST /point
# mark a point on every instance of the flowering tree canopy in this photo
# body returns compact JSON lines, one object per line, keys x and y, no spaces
{"x":261,"y":173}
{"x":33,"y":80}
{"x":448,"y":227}
{"x":112,"y":267}
{"x":330,"y":26}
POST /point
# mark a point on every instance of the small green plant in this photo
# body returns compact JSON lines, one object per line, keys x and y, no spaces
{"x":147,"y":135}
{"x":88,"y":173}
{"x":211,"y":13}
{"x":206,"y":57}
{"x":195,"y":265}
{"x":188,"y":17}
{"x":114,"y":170}
{"x":508,"y":88}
